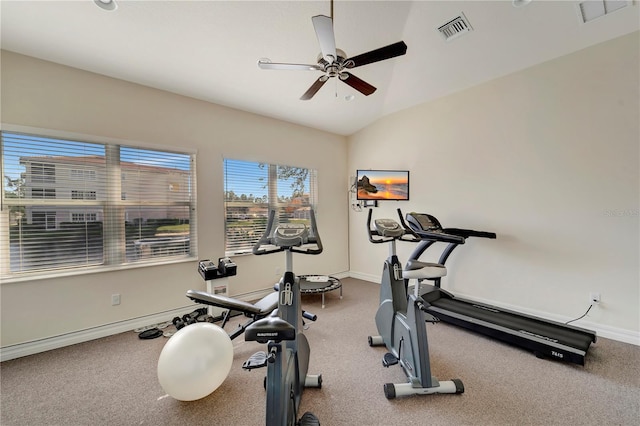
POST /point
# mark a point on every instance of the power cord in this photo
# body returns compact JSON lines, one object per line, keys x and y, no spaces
{"x":355,"y":205}
{"x":583,"y":315}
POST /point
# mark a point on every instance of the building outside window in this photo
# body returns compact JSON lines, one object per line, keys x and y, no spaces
{"x":63,"y":205}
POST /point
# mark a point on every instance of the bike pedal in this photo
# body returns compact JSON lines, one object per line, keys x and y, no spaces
{"x":257,"y":360}
{"x":308,"y":419}
{"x":389,"y":359}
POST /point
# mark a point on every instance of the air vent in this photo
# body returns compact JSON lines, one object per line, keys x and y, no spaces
{"x":593,"y":9}
{"x":455,"y":27}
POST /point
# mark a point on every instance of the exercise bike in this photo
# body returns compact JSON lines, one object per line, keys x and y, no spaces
{"x":287,"y":356}
{"x":401,"y":316}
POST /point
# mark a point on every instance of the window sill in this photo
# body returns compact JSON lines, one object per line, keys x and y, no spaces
{"x":90,"y":270}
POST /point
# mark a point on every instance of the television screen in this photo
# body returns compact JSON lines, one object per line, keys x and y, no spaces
{"x":383,"y":185}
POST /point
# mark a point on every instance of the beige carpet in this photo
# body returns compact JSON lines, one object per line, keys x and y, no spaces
{"x":113,"y":381}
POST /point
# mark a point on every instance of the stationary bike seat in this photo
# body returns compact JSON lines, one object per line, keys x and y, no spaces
{"x":423,"y":270}
{"x":270,"y":328}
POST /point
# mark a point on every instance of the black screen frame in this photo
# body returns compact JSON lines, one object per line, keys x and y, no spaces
{"x":362,"y":195}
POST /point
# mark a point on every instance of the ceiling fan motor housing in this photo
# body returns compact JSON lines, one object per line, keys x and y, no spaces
{"x":333,"y":69}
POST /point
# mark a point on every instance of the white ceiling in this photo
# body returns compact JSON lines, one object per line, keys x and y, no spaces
{"x":208,"y":49}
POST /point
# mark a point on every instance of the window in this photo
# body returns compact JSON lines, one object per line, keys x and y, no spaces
{"x":84,"y":217}
{"x":80,"y":174}
{"x":64,"y":205}
{"x":252,"y":189}
{"x":43,"y":193}
{"x":83,"y":195}
{"x":45,"y":220}
{"x":41,"y":172}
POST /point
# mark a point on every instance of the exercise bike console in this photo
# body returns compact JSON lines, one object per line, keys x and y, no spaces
{"x":290,"y":235}
{"x":388,"y":228}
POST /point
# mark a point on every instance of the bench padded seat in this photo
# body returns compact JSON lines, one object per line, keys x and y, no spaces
{"x":262,"y":307}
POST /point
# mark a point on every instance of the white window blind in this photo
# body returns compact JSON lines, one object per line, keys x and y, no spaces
{"x":74,"y":204}
{"x":251,"y":189}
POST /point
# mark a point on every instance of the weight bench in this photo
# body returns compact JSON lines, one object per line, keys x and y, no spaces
{"x":255,"y":311}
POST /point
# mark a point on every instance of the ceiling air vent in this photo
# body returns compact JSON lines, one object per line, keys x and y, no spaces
{"x":592,"y":9}
{"x":455,"y":27}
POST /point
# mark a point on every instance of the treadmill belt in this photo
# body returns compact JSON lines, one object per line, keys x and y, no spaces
{"x":526,"y":325}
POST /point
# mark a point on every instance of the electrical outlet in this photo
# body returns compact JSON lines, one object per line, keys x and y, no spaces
{"x":594,"y":298}
{"x":115,"y":299}
{"x":278,"y":272}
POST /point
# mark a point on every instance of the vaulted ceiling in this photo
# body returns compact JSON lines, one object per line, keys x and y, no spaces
{"x":209,"y":49}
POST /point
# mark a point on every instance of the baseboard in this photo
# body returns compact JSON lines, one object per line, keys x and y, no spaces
{"x":608,"y":332}
{"x":56,"y":342}
{"x":365,"y":277}
{"x":60,"y":341}
{"x":625,"y":336}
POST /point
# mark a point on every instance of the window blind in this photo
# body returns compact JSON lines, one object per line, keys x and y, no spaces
{"x":76,"y":204}
{"x":251,"y":189}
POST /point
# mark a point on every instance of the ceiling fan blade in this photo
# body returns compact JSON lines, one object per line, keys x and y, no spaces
{"x":268,"y":65}
{"x":360,"y":85}
{"x":314,"y":88}
{"x":326,"y":38}
{"x":387,"y":52}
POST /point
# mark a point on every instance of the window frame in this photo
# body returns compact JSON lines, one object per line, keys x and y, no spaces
{"x":117,"y":262}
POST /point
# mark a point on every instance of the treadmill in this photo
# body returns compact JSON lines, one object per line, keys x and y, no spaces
{"x":545,"y":338}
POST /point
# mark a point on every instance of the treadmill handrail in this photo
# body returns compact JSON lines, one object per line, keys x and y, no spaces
{"x":466,"y":233}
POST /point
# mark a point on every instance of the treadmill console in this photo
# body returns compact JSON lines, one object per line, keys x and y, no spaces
{"x":388,"y":228}
{"x":423,"y":222}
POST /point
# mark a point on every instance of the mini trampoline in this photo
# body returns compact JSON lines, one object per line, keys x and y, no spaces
{"x":312,"y":284}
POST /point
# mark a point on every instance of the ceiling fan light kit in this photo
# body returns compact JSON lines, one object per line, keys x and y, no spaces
{"x":106,"y":4}
{"x":334,"y":62}
{"x":520,"y":3}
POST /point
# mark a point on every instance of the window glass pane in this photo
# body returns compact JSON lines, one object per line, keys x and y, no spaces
{"x":154,"y":232}
{"x":246,"y":204}
{"x":35,"y":165}
{"x":252,"y":189}
{"x":46,"y":241}
{"x":155,"y":175}
{"x":160,"y":227}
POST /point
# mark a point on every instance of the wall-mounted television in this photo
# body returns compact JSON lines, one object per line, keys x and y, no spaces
{"x":383,"y":185}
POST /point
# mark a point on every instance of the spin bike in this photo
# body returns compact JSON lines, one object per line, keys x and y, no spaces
{"x":401,"y":316}
{"x":287,"y":356}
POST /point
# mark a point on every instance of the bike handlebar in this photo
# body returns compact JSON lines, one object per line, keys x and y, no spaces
{"x":407,"y":235}
{"x":269,"y":239}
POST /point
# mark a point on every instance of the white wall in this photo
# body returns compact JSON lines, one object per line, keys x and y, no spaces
{"x":44,"y":95}
{"x":548,"y":159}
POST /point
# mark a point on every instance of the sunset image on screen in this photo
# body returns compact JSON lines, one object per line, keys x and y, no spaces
{"x":383,"y":185}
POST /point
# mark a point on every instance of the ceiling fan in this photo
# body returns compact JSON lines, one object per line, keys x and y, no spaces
{"x":334,"y":62}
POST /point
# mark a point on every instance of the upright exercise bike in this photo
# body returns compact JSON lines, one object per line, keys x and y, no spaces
{"x":287,"y":356}
{"x":401,"y":316}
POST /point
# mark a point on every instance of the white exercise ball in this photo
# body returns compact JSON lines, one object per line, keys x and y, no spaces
{"x":195,"y":361}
